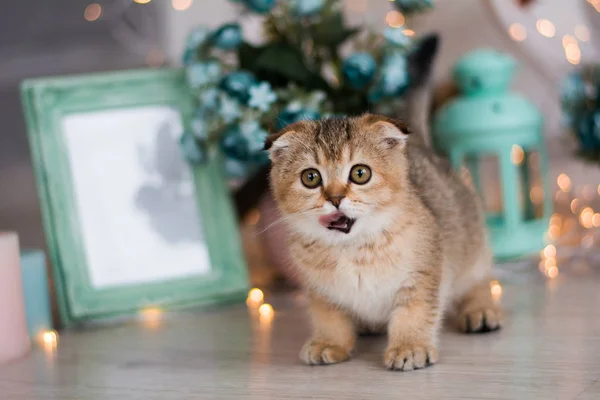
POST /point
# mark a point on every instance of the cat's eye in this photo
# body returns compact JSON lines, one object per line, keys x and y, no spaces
{"x":360,"y":174}
{"x":311,"y":178}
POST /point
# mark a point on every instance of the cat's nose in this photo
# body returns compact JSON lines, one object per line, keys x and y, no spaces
{"x":335,"y":200}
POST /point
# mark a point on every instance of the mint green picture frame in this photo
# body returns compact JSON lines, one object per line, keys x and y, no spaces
{"x":45,"y":101}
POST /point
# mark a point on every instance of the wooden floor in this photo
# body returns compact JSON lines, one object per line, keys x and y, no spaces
{"x":549,"y":349}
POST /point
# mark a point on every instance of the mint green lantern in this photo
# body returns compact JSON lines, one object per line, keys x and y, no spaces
{"x":495,"y":137}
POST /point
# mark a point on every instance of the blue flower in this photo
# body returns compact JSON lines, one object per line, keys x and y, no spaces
{"x":198,"y":124}
{"x":238,"y":84}
{"x":315,"y":100}
{"x":394,"y":75}
{"x":262,"y":96}
{"x":359,"y":69}
{"x":189,"y":56}
{"x":588,"y":132}
{"x":260,"y":6}
{"x":306,"y":8}
{"x":294,"y":107}
{"x":393,"y":80}
{"x":412,"y":6}
{"x":292,"y":115}
{"x":197,"y":37}
{"x":209,"y":98}
{"x":573,"y":90}
{"x":229,"y":109}
{"x":228,"y":37}
{"x":254,"y":134}
{"x":397,"y":37}
{"x":193,"y":150}
{"x":234,"y":144}
{"x":200,"y":74}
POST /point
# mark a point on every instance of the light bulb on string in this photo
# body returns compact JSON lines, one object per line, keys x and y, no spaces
{"x":545,"y":27}
{"x":181,"y":5}
{"x":495,"y":290}
{"x":564,"y":182}
{"x":255,"y":298}
{"x":395,"y":19}
{"x":92,"y":12}
{"x":552,"y":272}
{"x":266,"y":314}
{"x":517,"y":32}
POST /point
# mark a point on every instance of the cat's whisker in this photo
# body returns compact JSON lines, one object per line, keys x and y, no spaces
{"x":283,"y":218}
{"x":272,"y":224}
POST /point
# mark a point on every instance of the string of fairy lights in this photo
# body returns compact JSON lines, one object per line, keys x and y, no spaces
{"x":570,"y":41}
{"x":134,"y":28}
{"x":94,"y":11}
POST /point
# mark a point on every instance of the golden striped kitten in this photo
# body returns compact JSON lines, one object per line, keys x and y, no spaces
{"x":386,"y":237}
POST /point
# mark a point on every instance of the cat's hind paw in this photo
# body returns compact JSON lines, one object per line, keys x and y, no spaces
{"x":480,"y":320}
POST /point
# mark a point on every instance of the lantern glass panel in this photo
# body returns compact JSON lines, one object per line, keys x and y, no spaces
{"x":484,"y":175}
{"x":531,"y":188}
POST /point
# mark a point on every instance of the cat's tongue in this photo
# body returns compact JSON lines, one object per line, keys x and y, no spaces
{"x":334,"y":220}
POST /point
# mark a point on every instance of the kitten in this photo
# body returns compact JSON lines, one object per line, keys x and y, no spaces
{"x":386,"y":237}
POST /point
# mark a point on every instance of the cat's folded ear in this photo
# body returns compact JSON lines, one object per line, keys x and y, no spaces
{"x":276,"y":143}
{"x":393,"y":133}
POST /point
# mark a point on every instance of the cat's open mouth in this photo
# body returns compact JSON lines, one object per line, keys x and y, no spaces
{"x":337,"y":221}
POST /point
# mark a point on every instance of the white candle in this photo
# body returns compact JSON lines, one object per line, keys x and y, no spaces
{"x":14,"y":340}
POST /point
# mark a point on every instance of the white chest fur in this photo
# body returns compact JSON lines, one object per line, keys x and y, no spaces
{"x":368,"y":291}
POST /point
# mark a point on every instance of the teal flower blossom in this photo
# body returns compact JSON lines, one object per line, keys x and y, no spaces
{"x":228,"y":36}
{"x":237,"y":84}
{"x":573,"y":89}
{"x":195,"y":40}
{"x":197,"y":37}
{"x":412,"y":6}
{"x":229,"y":109}
{"x":209,"y":98}
{"x":193,"y":150}
{"x":199,"y":125}
{"x":305,"y":8}
{"x":260,"y":6}
{"x":397,"y":37}
{"x":262,"y":96}
{"x":200,"y":74}
{"x":359,"y":69}
{"x":394,"y":75}
{"x":254,"y":134}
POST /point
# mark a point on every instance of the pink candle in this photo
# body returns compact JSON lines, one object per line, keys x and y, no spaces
{"x":14,"y":340}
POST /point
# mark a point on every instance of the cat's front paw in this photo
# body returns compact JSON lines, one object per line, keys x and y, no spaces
{"x":410,"y":356}
{"x":319,"y":352}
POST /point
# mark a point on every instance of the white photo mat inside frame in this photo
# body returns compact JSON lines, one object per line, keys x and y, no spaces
{"x":135,"y":196}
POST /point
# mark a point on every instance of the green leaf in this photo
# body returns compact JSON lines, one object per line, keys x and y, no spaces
{"x":281,"y":64}
{"x":247,"y":56}
{"x":331,"y":31}
{"x":349,"y":102}
{"x":283,"y":60}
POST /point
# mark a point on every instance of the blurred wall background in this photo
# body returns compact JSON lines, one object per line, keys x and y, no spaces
{"x":42,"y":38}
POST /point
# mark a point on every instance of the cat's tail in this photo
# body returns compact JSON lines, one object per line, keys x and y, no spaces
{"x":418,"y":98}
